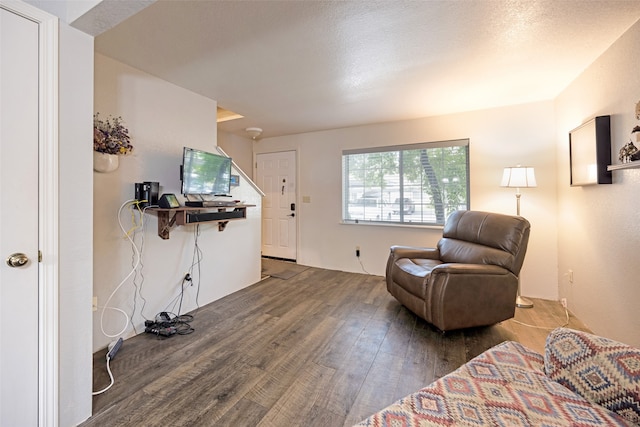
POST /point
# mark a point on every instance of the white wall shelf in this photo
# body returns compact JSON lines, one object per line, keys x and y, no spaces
{"x":628,"y":165}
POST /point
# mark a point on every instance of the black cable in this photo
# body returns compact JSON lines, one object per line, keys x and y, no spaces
{"x":186,"y":278}
{"x":197,"y":259}
{"x":140,"y":270}
{"x":135,"y":274}
{"x":144,"y":301}
{"x":180,"y":324}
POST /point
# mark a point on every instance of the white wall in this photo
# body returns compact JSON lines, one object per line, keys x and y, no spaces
{"x":239,"y":149}
{"x":599,"y":227}
{"x":523,"y":134}
{"x":592,"y":230}
{"x":161,"y":118}
{"x":76,"y":221}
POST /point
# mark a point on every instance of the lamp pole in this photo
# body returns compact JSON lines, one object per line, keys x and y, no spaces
{"x":519,"y":177}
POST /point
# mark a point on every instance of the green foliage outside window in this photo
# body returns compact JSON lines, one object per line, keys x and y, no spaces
{"x":417,"y":184}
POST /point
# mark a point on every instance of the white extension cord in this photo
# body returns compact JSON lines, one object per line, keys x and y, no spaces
{"x":113,"y":348}
{"x":106,"y":305}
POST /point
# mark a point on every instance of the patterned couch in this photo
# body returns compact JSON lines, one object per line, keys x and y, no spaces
{"x":582,"y":380}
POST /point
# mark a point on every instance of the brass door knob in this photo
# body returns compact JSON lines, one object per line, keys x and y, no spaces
{"x":17,"y":260}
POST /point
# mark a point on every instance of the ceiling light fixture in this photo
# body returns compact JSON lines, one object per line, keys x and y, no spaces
{"x":254,"y":133}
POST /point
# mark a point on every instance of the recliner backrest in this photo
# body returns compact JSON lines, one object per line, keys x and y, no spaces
{"x":476,"y":237}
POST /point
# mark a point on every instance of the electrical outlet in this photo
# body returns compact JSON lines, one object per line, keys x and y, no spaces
{"x":358,"y":251}
{"x":570,"y":274}
{"x":563,"y":301}
{"x":94,"y":306}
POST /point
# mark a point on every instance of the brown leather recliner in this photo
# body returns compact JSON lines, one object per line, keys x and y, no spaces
{"x":470,"y":278}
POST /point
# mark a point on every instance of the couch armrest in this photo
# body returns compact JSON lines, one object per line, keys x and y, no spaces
{"x":601,"y":370}
{"x":398,"y":252}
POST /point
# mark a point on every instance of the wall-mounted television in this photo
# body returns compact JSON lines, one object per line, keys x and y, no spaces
{"x":590,"y":152}
{"x":204,"y":173}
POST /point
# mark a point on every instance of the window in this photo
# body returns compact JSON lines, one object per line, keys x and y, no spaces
{"x":405,"y":184}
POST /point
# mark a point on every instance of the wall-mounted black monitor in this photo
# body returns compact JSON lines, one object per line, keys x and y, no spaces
{"x":205,"y":173}
{"x":590,"y":152}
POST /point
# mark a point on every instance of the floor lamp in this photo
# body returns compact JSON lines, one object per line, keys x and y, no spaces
{"x":519,"y":177}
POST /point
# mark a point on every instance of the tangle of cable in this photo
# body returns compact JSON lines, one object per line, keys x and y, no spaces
{"x":195,"y":265}
{"x":180,"y":323}
{"x":140,"y":269}
{"x":135,"y":274}
{"x":196,"y":259}
{"x":137,"y":261}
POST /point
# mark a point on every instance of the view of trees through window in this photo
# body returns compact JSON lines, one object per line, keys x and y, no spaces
{"x":417,"y":183}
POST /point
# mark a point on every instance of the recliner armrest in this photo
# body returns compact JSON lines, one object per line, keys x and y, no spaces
{"x":398,"y":252}
{"x":455,"y":268}
{"x":460,"y":295}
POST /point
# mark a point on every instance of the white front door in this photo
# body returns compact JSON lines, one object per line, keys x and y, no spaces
{"x":19,"y":305}
{"x":276,"y":173}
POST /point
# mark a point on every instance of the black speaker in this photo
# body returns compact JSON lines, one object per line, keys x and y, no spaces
{"x":168,"y":201}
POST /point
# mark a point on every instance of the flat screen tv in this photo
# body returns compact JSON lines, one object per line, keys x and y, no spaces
{"x":205,"y":173}
{"x":590,"y":152}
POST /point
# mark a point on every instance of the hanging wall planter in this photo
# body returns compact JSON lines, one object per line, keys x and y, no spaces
{"x":103,"y":162}
{"x":110,"y":139}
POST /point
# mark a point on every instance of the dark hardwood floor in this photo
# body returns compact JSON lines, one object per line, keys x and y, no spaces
{"x":322,"y":348}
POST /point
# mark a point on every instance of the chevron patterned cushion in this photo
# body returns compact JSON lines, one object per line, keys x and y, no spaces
{"x":601,"y":370}
{"x":504,"y":386}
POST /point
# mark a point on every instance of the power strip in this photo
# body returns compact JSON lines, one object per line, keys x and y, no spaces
{"x":113,"y":348}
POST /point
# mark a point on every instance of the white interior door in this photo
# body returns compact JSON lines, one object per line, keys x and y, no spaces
{"x":18,"y":220}
{"x":276,"y":176}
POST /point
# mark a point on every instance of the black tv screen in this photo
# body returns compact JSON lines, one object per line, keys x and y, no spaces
{"x":205,"y":173}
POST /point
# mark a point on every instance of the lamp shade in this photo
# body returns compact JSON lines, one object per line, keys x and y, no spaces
{"x":518,"y":177}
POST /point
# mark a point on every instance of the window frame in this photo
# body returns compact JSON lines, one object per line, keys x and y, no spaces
{"x":401,"y":211}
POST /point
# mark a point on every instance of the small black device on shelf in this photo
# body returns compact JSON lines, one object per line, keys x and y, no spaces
{"x":147,"y":193}
{"x":168,"y":201}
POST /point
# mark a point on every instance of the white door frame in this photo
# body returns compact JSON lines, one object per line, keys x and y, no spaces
{"x":48,"y":267}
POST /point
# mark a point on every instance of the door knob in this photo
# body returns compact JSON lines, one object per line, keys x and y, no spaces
{"x":292,"y":215}
{"x":17,"y":260}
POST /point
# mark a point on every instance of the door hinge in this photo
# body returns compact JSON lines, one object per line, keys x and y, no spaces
{"x":39,"y":256}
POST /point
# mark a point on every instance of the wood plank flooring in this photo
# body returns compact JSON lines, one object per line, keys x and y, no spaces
{"x":323,"y":348}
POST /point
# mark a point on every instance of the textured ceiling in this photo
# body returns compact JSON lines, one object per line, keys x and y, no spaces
{"x":299,"y":66}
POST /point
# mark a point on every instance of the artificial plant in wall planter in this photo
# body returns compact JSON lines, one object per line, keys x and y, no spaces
{"x":110,"y":140}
